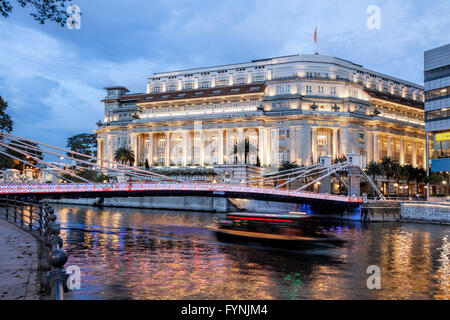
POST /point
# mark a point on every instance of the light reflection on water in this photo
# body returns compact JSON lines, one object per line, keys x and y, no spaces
{"x":147,"y":254}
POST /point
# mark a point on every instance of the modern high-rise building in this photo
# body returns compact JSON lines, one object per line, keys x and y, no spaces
{"x":292,"y":108}
{"x":437,"y":106}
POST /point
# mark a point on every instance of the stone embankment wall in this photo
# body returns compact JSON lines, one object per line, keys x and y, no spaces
{"x":209,"y":204}
{"x":381,"y":211}
{"x":431,"y":212}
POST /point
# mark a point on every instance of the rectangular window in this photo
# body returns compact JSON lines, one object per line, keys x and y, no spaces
{"x":172,"y":87}
{"x":221,"y":83}
{"x":240,"y":81}
{"x":156,"y":89}
{"x":205,"y":85}
{"x":308,"y":89}
{"x":333,"y":90}
{"x":162,"y":143}
{"x":188,"y":86}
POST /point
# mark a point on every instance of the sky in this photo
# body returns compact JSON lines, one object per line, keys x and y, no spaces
{"x":53,"y":78}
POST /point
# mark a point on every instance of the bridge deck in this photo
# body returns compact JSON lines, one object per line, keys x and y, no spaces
{"x":172,"y":189}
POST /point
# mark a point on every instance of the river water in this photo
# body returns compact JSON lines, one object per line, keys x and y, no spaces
{"x":147,"y":254}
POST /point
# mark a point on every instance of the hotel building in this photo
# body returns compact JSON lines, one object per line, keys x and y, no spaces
{"x":293,"y":108}
{"x":437,"y":106}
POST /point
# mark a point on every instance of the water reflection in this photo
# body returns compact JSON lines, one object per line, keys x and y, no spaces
{"x":146,"y":254}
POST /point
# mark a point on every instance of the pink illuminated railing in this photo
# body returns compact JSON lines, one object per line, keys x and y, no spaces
{"x":137,"y":186}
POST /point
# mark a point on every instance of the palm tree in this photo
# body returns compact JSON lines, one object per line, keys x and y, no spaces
{"x":244,"y":148}
{"x":124,"y":155}
{"x":408,"y":174}
{"x":390,"y":169}
{"x":374,"y":169}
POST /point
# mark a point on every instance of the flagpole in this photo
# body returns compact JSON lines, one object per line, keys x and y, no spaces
{"x":315,"y":41}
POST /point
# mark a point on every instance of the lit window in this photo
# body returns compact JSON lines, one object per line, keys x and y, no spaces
{"x":322,"y":140}
{"x":162,"y":143}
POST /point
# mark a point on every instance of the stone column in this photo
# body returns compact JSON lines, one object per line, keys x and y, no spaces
{"x":354,"y":182}
{"x":185,"y":149}
{"x":414,"y":153}
{"x":298,"y":146}
{"x":376,"y":154}
{"x":202,"y":148}
{"x":134,"y":147}
{"x":267,"y":147}
{"x":261,"y":146}
{"x":150,"y":149}
{"x":306,"y":145}
{"x":274,"y":144}
{"x":369,"y":147}
{"x":220,"y":142}
{"x":402,"y":151}
{"x":389,"y":146}
{"x":241,"y":146}
{"x":167,"y":149}
{"x":100,"y":151}
{"x":314,"y":144}
{"x":335,"y":144}
{"x":292,"y":143}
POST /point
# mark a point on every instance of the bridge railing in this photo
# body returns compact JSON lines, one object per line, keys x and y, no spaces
{"x":40,"y":220}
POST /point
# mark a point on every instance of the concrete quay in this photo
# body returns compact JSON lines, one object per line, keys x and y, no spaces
{"x":18,"y":263}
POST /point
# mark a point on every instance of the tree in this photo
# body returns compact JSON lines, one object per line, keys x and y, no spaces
{"x":390,"y":169}
{"x":87,"y":174}
{"x":42,"y":10}
{"x":434,"y":179}
{"x":409,"y":174}
{"x":85,"y":143}
{"x":124,"y":155}
{"x":6,"y":124}
{"x":287,"y":165}
{"x":375,"y":169}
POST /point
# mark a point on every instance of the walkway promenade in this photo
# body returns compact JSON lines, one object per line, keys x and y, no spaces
{"x":18,"y":263}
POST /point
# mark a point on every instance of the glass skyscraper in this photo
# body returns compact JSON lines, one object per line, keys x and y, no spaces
{"x":437,"y":107}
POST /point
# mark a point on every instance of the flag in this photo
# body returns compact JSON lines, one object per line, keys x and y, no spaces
{"x":315,"y":35}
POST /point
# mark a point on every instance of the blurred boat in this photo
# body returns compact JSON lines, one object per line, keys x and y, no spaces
{"x":295,"y":229}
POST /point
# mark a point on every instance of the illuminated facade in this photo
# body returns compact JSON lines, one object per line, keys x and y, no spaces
{"x":265,"y":112}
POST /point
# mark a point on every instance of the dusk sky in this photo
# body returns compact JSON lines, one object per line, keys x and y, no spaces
{"x":53,"y":77}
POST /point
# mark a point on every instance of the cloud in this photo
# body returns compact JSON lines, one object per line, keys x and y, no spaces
{"x":52,"y":91}
{"x":53,"y":78}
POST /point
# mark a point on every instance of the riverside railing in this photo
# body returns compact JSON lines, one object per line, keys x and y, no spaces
{"x":40,"y":220}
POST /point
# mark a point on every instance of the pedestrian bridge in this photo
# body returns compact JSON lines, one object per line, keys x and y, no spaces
{"x":89,"y":190}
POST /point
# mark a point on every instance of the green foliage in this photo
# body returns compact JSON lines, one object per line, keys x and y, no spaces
{"x":87,"y":174}
{"x":287,"y":165}
{"x":6,"y":124}
{"x":189,"y":172}
{"x":42,"y":10}
{"x":434,"y":179}
{"x":85,"y":143}
{"x":374,"y":169}
{"x":124,"y":155}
